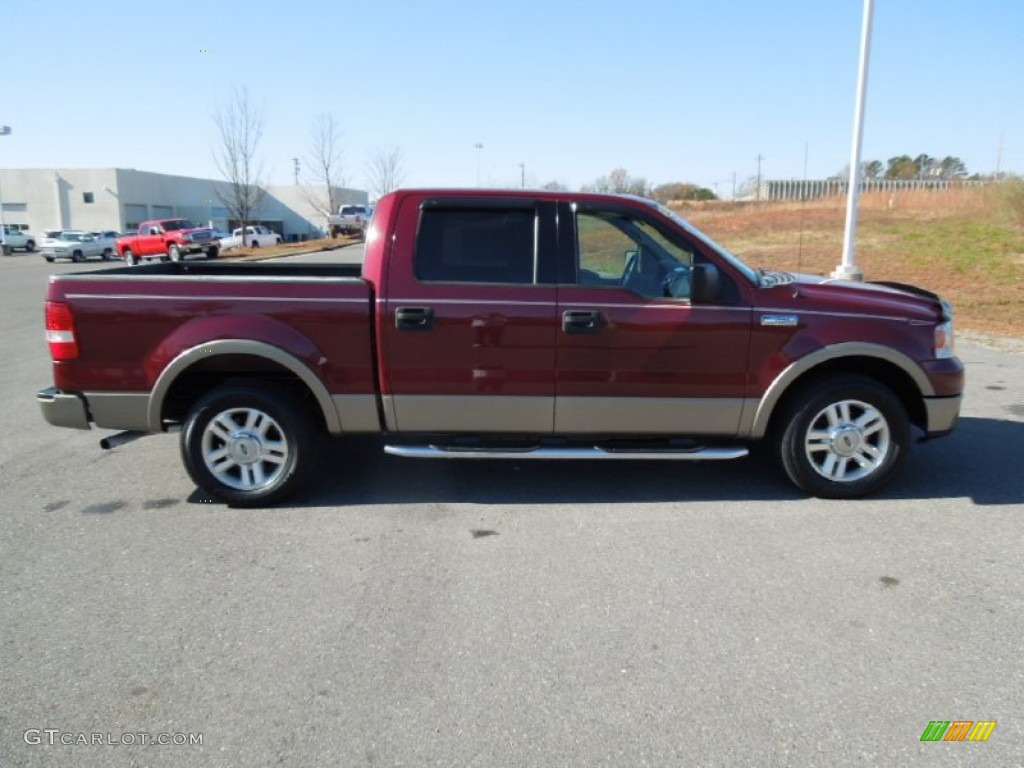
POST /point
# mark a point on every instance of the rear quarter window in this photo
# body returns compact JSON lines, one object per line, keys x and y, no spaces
{"x":476,"y":246}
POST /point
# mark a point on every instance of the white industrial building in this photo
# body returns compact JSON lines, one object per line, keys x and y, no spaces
{"x":38,"y":199}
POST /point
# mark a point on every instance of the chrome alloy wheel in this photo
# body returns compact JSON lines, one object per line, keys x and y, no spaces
{"x":244,"y":448}
{"x":847,"y":441}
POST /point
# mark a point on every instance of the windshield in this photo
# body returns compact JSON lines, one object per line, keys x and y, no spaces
{"x":735,"y":261}
{"x":170,"y":226}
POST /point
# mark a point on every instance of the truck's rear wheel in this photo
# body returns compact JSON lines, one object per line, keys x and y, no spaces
{"x":212,"y":252}
{"x":173,"y":252}
{"x":76,"y":256}
{"x":130,"y":258}
{"x":249,"y":446}
{"x":843,"y":437}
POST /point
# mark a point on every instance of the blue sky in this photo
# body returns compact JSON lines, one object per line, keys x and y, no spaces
{"x":671,"y":91}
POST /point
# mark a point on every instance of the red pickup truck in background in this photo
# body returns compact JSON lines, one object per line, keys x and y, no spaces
{"x":167,"y":239}
{"x":490,"y":324}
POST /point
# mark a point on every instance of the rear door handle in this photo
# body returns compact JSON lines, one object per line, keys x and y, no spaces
{"x":582,"y":321}
{"x":414,"y":318}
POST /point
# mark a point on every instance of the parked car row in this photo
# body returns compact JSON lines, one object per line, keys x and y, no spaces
{"x":78,"y":245}
{"x":168,"y":239}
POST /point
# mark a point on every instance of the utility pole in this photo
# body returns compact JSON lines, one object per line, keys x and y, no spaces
{"x":479,"y":151}
{"x":295,"y":160}
{"x":999,"y":156}
{"x":5,"y":130}
{"x":522,"y":175}
{"x":734,"y":185}
{"x":759,"y":158}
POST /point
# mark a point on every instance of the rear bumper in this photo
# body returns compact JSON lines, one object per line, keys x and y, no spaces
{"x":942,"y":414}
{"x":108,"y":410}
{"x":62,"y":409}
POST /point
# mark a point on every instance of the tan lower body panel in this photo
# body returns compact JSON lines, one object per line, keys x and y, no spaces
{"x":119,"y":410}
{"x":470,"y":413}
{"x":648,"y":415}
{"x":358,"y":413}
{"x":564,"y":415}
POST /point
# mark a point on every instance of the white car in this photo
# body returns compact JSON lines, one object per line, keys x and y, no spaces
{"x":78,"y":245}
{"x":15,"y":239}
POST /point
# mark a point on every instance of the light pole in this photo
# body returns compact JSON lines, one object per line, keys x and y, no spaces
{"x":479,"y":151}
{"x":848,"y":270}
{"x":5,"y":130}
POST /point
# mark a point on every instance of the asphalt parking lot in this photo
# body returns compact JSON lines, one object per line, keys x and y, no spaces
{"x":501,"y":613}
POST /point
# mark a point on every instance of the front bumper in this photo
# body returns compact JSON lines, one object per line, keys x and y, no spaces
{"x":62,"y":409}
{"x":198,"y":247}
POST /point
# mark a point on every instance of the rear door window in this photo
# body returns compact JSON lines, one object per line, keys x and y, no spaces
{"x":491,"y":245}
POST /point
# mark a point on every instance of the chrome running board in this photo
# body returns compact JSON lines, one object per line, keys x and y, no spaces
{"x":443,"y":452}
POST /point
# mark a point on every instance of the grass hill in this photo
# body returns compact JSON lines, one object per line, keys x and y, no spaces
{"x":965,"y":244}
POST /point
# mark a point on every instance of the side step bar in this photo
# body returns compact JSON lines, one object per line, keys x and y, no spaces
{"x":441,"y":452}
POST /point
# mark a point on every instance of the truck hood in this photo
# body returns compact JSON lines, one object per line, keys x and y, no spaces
{"x":878,"y":298}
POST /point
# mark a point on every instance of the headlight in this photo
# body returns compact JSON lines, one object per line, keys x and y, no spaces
{"x":944,"y":340}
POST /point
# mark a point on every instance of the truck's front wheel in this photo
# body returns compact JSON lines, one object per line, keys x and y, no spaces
{"x":249,"y":446}
{"x":843,"y":437}
{"x":173,"y":252}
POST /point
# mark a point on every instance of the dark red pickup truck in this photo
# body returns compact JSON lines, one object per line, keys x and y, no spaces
{"x":506,"y":325}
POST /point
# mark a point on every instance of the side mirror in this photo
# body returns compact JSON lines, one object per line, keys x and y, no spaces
{"x":706,"y":285}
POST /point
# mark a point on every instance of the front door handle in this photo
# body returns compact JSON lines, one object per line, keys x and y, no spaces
{"x":414,"y":318}
{"x":582,"y":321}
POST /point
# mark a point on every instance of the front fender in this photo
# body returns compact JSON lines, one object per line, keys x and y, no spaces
{"x":759,"y":418}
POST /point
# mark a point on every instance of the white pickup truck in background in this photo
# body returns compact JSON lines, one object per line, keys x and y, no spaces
{"x":350,"y":220}
{"x":256,"y":236}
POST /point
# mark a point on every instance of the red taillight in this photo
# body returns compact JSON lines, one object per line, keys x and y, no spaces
{"x":60,"y":331}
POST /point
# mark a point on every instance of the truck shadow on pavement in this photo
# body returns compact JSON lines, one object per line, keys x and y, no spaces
{"x":980,"y":460}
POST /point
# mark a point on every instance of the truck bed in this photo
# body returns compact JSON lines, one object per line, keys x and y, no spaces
{"x":227,"y":269}
{"x":131,"y":322}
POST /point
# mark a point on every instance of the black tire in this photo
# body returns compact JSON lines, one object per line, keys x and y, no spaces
{"x":212,"y":252}
{"x":843,"y":436}
{"x":173,"y":252}
{"x":49,"y":258}
{"x":130,"y":258}
{"x":30,"y":246}
{"x":243,"y":465}
{"x":76,"y":256}
{"x":107,"y":254}
{"x":255,"y":244}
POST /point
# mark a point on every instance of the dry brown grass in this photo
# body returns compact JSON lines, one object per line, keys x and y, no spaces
{"x":288,"y":249}
{"x":965,"y":244}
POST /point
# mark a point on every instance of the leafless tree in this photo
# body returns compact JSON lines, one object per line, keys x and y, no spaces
{"x":239,"y":130}
{"x":385,"y":171}
{"x":325,"y":164}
